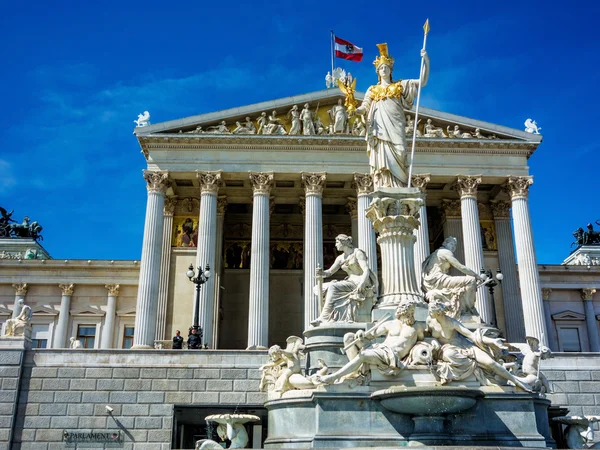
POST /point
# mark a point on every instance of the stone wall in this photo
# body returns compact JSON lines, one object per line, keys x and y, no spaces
{"x":69,"y":390}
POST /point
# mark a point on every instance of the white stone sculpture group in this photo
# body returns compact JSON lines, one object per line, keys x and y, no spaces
{"x":18,"y":325}
{"x":143,"y":119}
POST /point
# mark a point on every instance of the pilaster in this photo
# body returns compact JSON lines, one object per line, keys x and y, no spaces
{"x":422,"y":249}
{"x":221,"y":209}
{"x":552,"y":338}
{"x":60,"y":332}
{"x":452,"y":218}
{"x":352,"y":209}
{"x":108,"y":330}
{"x":590,"y":318}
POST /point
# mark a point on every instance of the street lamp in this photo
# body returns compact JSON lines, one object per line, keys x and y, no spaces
{"x":491,"y":283}
{"x":198,"y":281}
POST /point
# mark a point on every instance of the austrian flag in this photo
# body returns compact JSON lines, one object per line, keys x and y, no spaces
{"x":347,"y":50}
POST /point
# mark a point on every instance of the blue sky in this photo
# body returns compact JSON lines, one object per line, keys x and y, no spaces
{"x":77,"y":73}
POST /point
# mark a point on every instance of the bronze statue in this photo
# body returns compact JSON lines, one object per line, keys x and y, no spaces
{"x":18,"y":230}
{"x":589,"y":237}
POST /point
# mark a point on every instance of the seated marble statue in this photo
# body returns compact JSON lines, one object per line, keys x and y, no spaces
{"x":17,"y":325}
{"x":401,"y":334}
{"x":463,"y":353}
{"x":342,"y":298}
{"x":458,"y":292}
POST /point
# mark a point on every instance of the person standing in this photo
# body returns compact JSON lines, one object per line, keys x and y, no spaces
{"x":177,"y":341}
{"x":194,"y":340}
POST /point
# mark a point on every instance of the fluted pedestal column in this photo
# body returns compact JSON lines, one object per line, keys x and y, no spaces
{"x":108,"y":330}
{"x":20,"y":293}
{"x":60,"y":332}
{"x":513,"y":309}
{"x":221,"y":208}
{"x":529,"y":277}
{"x":590,"y":319}
{"x":467,"y":188}
{"x":367,"y":240}
{"x":422,"y":233}
{"x":313,"y":184}
{"x":352,"y":208}
{"x":394,"y":214}
{"x":451,"y":212}
{"x":165,"y":263}
{"x":147,"y":298}
{"x":210,"y":182}
{"x":258,"y":314}
{"x":552,"y":338}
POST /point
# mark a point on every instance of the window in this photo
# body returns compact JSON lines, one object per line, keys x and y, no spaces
{"x":39,"y":335}
{"x":569,"y":339}
{"x":86,"y":334}
{"x":128,"y":336}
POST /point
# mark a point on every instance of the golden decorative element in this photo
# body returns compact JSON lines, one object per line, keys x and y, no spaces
{"x":66,"y":289}
{"x":384,"y":57}
{"x":500,"y":209}
{"x":546,"y":293}
{"x":113,"y":289}
{"x":379,"y":92}
{"x":518,"y":186}
{"x":262,"y":182}
{"x":467,"y":185}
{"x":20,"y":288}
{"x":185,"y":232}
{"x":349,"y":89}
{"x":157,"y":181}
{"x":426,"y":27}
{"x":210,"y":181}
{"x":587,"y":293}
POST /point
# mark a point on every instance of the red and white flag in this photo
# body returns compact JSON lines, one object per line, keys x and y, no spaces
{"x":347,"y":50}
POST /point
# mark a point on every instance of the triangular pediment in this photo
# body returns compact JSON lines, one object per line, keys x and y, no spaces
{"x":88,"y":311}
{"x":43,"y":311}
{"x":126,"y":312}
{"x":232,"y":122}
{"x":568,"y":315}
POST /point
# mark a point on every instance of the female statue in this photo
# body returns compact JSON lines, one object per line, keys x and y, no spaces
{"x":463,"y":352}
{"x":361,"y":283}
{"x":295,"y":114}
{"x":384,"y":105}
{"x":306,"y":115}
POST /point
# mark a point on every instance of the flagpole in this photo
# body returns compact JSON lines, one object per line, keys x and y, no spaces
{"x":414,"y":139}
{"x":332,"y":56}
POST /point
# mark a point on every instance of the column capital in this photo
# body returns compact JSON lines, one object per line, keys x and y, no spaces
{"x":157,"y":180}
{"x":170,"y":204}
{"x":420,"y":181}
{"x":363,"y":183}
{"x":518,"y":186}
{"x":262,"y":182}
{"x":113,"y":289}
{"x":500,"y":209}
{"x":451,"y":208}
{"x":302,"y":205}
{"x":587,"y":294}
{"x":313,"y":182}
{"x":546,"y":293}
{"x":352,"y":207}
{"x":67,"y":288}
{"x":466,"y":185}
{"x":221,"y":205}
{"x":210,"y":181}
{"x":20,"y":288}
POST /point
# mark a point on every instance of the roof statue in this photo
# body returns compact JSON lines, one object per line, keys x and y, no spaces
{"x":23,"y":230}
{"x":329,"y":80}
{"x":532,"y":127}
{"x":143,"y":119}
{"x":588,"y":236}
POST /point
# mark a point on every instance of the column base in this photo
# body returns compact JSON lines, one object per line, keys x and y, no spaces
{"x":142,"y":347}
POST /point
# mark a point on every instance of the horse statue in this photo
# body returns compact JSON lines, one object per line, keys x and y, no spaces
{"x":578,"y":234}
{"x":26,"y":229}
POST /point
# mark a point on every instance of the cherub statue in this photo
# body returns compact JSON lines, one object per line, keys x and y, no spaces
{"x":530,"y":366}
{"x":531,"y":127}
{"x":458,"y":292}
{"x":432,"y":131}
{"x":349,"y":89}
{"x":288,"y":360}
{"x":143,"y":119}
{"x":17,"y":325}
{"x":456,"y":133}
{"x":580,"y":431}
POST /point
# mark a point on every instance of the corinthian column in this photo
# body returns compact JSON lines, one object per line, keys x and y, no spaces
{"x":221,"y":208}
{"x":313,"y":184}
{"x":258,"y":314}
{"x":165,"y":262}
{"x":467,"y":188}
{"x":147,"y":298}
{"x":422,"y":233}
{"x":552,"y":338}
{"x":529,"y":278}
{"x":108,"y":330}
{"x":352,"y":208}
{"x":60,"y":333}
{"x":366,"y":234}
{"x":453,"y":227}
{"x":513,"y":310}
{"x":20,"y":293}
{"x":590,"y":319}
{"x":210,"y":182}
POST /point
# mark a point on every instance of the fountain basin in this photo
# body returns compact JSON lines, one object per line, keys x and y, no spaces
{"x":430,"y":401}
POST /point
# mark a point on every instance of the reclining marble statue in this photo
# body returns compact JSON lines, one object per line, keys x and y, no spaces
{"x":458,"y":292}
{"x":343,"y":297}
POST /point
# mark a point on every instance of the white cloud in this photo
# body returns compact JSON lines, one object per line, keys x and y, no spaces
{"x":7,"y":178}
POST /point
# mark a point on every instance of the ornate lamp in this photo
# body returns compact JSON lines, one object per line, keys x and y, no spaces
{"x":491,"y":283}
{"x":199,"y":280}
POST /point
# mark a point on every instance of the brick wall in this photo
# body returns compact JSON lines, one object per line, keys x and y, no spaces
{"x":10,"y":374}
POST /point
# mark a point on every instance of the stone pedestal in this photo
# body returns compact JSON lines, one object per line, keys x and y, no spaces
{"x":326,"y":342}
{"x":395,"y":216}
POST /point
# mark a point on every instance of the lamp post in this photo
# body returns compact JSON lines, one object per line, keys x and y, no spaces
{"x":199,"y":280}
{"x":491,"y":283}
